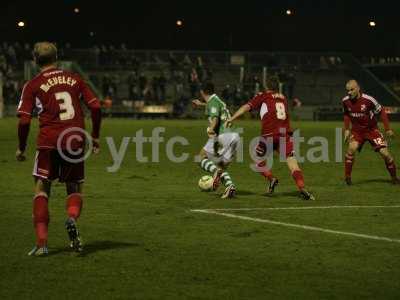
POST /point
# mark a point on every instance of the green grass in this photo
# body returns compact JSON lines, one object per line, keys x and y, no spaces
{"x":143,"y":242}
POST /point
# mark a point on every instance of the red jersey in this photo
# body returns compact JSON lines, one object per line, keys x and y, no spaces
{"x":56,"y":94}
{"x":362,"y":112}
{"x":273,"y":108}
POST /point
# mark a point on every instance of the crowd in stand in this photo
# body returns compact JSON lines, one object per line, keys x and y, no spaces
{"x":12,"y":57}
{"x":178,"y":77}
{"x":154,"y":77}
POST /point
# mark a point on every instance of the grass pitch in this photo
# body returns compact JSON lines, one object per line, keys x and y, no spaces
{"x":143,"y":241}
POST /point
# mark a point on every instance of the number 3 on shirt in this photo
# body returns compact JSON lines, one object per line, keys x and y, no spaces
{"x":64,"y":100}
{"x":280,"y":111}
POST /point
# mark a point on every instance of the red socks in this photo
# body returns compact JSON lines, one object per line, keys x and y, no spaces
{"x":74,"y":205}
{"x":41,"y":219}
{"x":391,"y":167}
{"x":41,"y":215}
{"x":298,"y":178}
{"x":348,"y":165}
{"x":261,"y":168}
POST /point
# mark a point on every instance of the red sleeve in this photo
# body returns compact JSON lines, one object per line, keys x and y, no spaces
{"x":385,"y":119}
{"x":27,"y":101}
{"x":347,"y":122}
{"x":256,"y":102}
{"x":93,"y":104}
{"x":346,"y":117}
{"x":23,"y":131}
{"x":89,"y":97}
{"x":24,"y":112}
{"x":289,"y":127}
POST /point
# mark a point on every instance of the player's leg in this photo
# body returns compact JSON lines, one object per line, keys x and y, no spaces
{"x":74,"y":199}
{"x":379,"y":144}
{"x":261,"y":166}
{"x":297,"y":173}
{"x":298,"y":177}
{"x":74,"y":207}
{"x":40,"y":213}
{"x":354,"y":144}
{"x":207,"y":163}
{"x":72,"y":173}
{"x":229,"y":143}
{"x":44,"y":171}
{"x":390,"y":165}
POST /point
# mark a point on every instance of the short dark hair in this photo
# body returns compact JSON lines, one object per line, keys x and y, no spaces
{"x":272,"y":83}
{"x":44,"y":53}
{"x":208,"y":88}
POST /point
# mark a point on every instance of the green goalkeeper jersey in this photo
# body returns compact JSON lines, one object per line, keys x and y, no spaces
{"x":217,"y":108}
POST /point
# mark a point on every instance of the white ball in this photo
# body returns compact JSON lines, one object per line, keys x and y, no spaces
{"x":206,"y":183}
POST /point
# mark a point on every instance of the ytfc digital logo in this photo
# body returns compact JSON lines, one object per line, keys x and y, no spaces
{"x":76,"y":145}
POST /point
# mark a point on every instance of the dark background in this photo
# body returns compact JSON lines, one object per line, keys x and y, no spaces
{"x":210,"y":25}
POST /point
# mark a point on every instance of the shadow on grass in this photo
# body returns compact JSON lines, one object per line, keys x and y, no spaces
{"x":368,"y":181}
{"x":292,"y":194}
{"x":96,"y":246}
{"x":245,"y":193}
{"x":137,"y":177}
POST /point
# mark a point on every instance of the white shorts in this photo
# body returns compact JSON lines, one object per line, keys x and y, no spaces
{"x":228,"y":143}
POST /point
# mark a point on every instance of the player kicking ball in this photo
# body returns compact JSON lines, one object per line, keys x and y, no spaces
{"x":55,"y":95}
{"x":360,"y":110}
{"x":220,"y":148}
{"x":275,"y":134}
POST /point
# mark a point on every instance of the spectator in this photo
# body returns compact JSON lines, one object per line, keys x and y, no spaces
{"x":227,"y":94}
{"x":11,"y":55}
{"x":290,"y":84}
{"x":143,"y":83}
{"x":179,"y":80}
{"x":155,"y":89}
{"x":162,"y":82}
{"x":173,"y":63}
{"x":67,"y":51}
{"x":132,"y":85}
{"x":282,"y":76}
{"x":96,"y":53}
{"x":194,"y":83}
{"x":208,"y":74}
{"x":256,"y":85}
{"x":187,"y":63}
{"x":27,"y":52}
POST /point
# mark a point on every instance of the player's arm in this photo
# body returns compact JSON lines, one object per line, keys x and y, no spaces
{"x":289,"y":125}
{"x":346,"y":124}
{"x":254,"y":103}
{"x":379,"y":109}
{"x":23,"y":133}
{"x":24,"y":113}
{"x":242,"y":110}
{"x":385,"y":121}
{"x":198,"y":103}
{"x":212,"y":129}
{"x":213,"y":132}
{"x":93,"y":104}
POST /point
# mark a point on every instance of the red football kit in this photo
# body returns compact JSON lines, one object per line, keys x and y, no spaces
{"x":275,"y":123}
{"x":56,"y":96}
{"x":361,"y":113}
{"x":275,"y":127}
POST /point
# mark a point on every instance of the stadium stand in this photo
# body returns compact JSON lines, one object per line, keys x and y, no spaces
{"x":154,"y":83}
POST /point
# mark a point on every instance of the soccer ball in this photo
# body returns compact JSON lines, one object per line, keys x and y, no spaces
{"x":206,"y":183}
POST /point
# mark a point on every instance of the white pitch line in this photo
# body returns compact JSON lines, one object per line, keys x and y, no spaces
{"x":305,"y":227}
{"x":298,"y":207}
